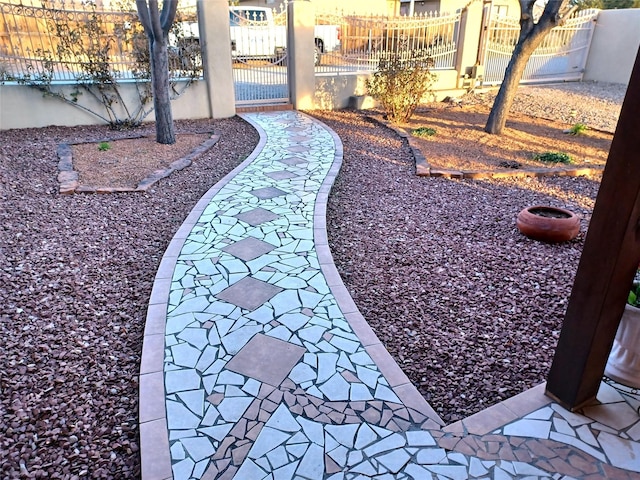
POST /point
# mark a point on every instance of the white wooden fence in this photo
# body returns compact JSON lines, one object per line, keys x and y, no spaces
{"x":562,"y":56}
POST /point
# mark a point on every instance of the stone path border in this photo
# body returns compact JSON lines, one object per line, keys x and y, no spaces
{"x":424,"y":169}
{"x":249,"y":382}
{"x":69,"y":178}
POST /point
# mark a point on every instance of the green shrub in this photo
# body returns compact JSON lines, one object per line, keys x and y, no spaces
{"x":402,"y":80}
{"x":554,"y":157}
{"x":104,"y":146}
{"x":634,"y":293}
{"x":423,"y":132}
{"x":577,"y":129}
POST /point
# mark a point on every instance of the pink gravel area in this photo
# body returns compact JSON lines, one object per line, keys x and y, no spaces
{"x":76,"y":273}
{"x":470,"y":308}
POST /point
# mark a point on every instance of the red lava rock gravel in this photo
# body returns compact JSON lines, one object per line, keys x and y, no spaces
{"x":75,"y":277}
{"x":469,"y":308}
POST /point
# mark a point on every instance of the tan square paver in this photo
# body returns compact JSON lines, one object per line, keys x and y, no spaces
{"x":248,"y":248}
{"x":267,"y":192}
{"x":249,"y":293}
{"x":281,"y":175}
{"x":257,"y":216}
{"x":266,"y":359}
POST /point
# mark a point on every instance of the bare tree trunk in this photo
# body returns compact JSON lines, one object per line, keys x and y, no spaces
{"x":509,"y":87}
{"x":156,"y":25}
{"x":531,"y":35}
{"x":165,"y":131}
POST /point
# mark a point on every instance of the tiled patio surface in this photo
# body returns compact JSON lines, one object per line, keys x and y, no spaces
{"x":257,"y":364}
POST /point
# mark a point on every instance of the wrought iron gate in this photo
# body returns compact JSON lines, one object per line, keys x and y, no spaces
{"x":561,"y":56}
{"x":259,"y":53}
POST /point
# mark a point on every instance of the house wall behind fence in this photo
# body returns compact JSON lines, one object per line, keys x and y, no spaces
{"x":614,"y":46}
{"x":378,"y":7}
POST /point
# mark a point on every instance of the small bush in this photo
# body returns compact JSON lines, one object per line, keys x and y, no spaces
{"x":104,"y":146}
{"x":423,"y":132}
{"x":554,"y":157}
{"x":577,"y":129}
{"x":402,"y":80}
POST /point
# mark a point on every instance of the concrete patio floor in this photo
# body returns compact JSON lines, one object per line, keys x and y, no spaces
{"x":257,"y":364}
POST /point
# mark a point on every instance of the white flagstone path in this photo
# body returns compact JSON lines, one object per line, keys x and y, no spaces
{"x":257,"y":364}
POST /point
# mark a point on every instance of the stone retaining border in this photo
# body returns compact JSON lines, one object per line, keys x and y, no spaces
{"x":70,"y":182}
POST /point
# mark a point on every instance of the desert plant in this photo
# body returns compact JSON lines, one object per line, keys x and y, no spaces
{"x":104,"y":146}
{"x":401,"y":82}
{"x":577,"y":129}
{"x":554,"y":157}
{"x":423,"y":132}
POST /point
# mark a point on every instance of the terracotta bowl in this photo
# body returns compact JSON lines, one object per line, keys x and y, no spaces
{"x":548,"y":224}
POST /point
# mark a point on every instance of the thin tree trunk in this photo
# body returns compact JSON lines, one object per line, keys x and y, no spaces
{"x":509,"y":87}
{"x":156,"y":25}
{"x":165,"y":132}
{"x":531,"y":35}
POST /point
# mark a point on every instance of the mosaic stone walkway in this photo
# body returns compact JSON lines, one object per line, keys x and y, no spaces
{"x":257,"y":364}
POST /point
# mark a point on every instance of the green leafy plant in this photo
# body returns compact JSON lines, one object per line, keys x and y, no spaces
{"x":554,"y":157}
{"x":104,"y":146}
{"x":577,"y":129}
{"x":634,"y":293}
{"x":402,"y":80}
{"x":423,"y":132}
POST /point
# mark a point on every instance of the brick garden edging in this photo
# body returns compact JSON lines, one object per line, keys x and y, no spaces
{"x":69,"y":178}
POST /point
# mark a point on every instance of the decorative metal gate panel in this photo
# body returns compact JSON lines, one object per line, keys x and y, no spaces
{"x":259,"y":53}
{"x":363,"y":40}
{"x":561,"y":56}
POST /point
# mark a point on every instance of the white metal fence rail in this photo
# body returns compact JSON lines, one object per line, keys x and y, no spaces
{"x":562,"y":55}
{"x":61,"y":43}
{"x":364,"y":40}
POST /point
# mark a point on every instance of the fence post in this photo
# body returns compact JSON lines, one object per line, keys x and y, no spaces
{"x":215,"y":42}
{"x":300,"y":46}
{"x":469,"y":40}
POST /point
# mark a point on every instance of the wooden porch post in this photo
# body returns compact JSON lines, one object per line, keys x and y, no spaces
{"x":607,"y":266}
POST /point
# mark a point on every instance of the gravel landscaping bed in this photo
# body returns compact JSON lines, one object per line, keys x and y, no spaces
{"x":595,"y":104}
{"x":76,"y":273}
{"x":470,"y":309}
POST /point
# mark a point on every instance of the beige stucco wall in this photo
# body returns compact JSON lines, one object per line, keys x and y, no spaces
{"x":25,"y":107}
{"x":614,"y":47}
{"x":334,"y":92}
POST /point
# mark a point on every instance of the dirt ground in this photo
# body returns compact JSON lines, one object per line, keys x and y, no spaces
{"x":460,"y":142}
{"x":125,"y":162}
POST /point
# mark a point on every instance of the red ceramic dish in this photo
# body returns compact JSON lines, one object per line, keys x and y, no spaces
{"x":548,"y":224}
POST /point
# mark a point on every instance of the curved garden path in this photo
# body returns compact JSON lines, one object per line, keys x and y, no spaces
{"x":257,"y":364}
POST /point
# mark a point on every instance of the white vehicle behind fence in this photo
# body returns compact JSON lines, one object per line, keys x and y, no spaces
{"x":256,"y":36}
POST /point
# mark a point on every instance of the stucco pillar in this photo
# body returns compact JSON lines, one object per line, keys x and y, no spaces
{"x":300,"y":46}
{"x":215,"y":42}
{"x":469,"y":40}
